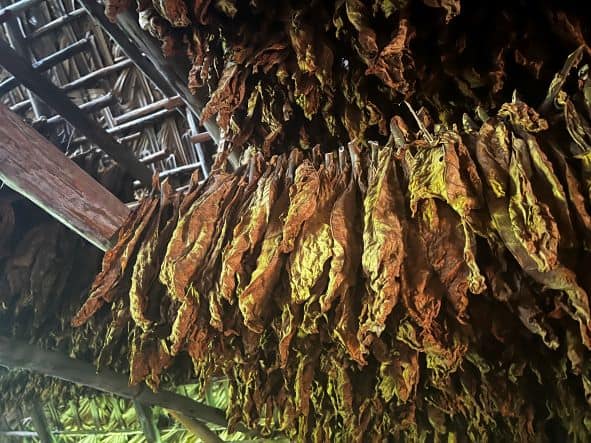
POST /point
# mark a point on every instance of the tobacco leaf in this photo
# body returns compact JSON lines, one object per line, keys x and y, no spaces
{"x":116,"y":261}
{"x":255,"y":297}
{"x":383,"y":248}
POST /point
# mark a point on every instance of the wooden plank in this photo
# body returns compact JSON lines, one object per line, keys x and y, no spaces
{"x":32,"y":166}
{"x":17,"y":354}
{"x":57,"y":100}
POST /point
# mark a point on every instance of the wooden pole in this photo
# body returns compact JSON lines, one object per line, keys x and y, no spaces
{"x":144,"y":415}
{"x":32,"y":166}
{"x":17,"y":354}
{"x":197,"y":428}
{"x":90,"y":106}
{"x":94,"y":76}
{"x":57,"y":100}
{"x":47,"y":62}
{"x":95,"y":10}
{"x":57,"y":23}
{"x":40,"y":422}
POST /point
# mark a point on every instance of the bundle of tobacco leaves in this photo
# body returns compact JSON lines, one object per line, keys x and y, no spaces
{"x":283,"y":74}
{"x":434,"y":287}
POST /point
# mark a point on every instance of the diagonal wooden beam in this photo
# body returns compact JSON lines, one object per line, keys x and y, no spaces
{"x":57,"y":100}
{"x":17,"y":354}
{"x":32,"y":166}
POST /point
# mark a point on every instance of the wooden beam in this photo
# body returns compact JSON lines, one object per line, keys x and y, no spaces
{"x":200,"y":137}
{"x":197,"y":428}
{"x":15,"y":36}
{"x":16,"y":8}
{"x":17,"y":354}
{"x":165,"y":103}
{"x":57,"y":100}
{"x":32,"y":166}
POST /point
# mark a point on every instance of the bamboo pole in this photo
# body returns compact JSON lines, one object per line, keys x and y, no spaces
{"x":46,"y":63}
{"x":83,"y":81}
{"x":56,"y":24}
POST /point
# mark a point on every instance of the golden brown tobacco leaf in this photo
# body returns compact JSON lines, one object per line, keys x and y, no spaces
{"x":190,"y":240}
{"x":526,"y":225}
{"x":383,"y":248}
{"x":115,"y":7}
{"x":254,"y":299}
{"x":228,"y":96}
{"x":302,"y":203}
{"x":346,"y":252}
{"x":116,"y":260}
{"x":394,"y":60}
{"x":175,"y":11}
{"x":313,"y":248}
{"x":358,"y":15}
{"x":207,"y":284}
{"x":452,"y":7}
{"x":448,"y":173}
{"x":247,"y":234}
{"x":144,"y":278}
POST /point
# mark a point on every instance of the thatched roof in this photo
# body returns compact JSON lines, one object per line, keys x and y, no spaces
{"x":98,"y":77}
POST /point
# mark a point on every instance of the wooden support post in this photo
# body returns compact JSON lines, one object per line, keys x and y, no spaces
{"x":56,"y":99}
{"x":32,"y":166}
{"x":17,"y":354}
{"x":144,"y":415}
{"x":40,"y":422}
